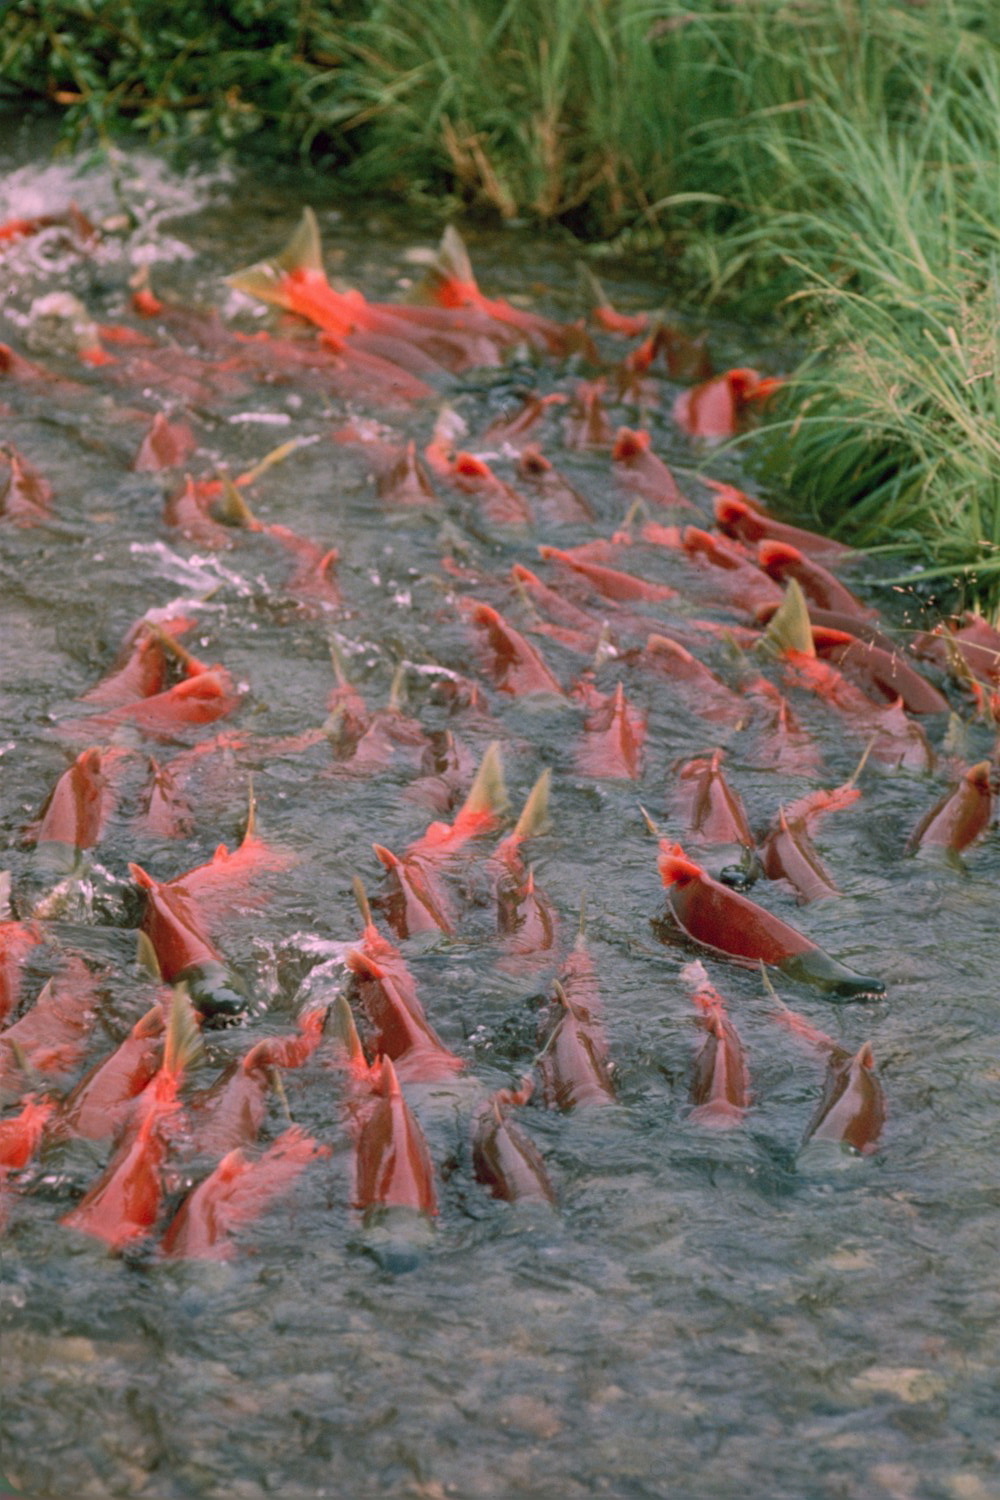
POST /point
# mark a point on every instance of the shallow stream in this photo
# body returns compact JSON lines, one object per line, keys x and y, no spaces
{"x":705,"y":1313}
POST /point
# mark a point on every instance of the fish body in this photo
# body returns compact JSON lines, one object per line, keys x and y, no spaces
{"x":168,"y":813}
{"x":712,"y":811}
{"x":184,"y":951}
{"x":392,"y":1162}
{"x":720,"y":918}
{"x":312,"y":580}
{"x":517,"y":667}
{"x":784,"y":746}
{"x":563,"y":612}
{"x":504,"y":1159}
{"x":959,"y":818}
{"x":748,"y":522}
{"x":610,"y":583}
{"x":174,"y":927}
{"x":526,"y":922}
{"x":17,"y":939}
{"x":238,"y":1191}
{"x":403,"y":481}
{"x":787,"y":853}
{"x":614,"y":733}
{"x":415,"y":899}
{"x":500,"y":502}
{"x":557,"y":498}
{"x":516,"y":431}
{"x":401,"y":1030}
{"x":963,"y":647}
{"x":145,"y":663}
{"x":21,"y":1134}
{"x":124,"y":1203}
{"x":25,"y":496}
{"x":718,"y":408}
{"x":783,"y":561}
{"x":81,"y":803}
{"x":887,"y":673}
{"x":51,"y":1036}
{"x":167,"y":445}
{"x":573,"y":1057}
{"x":720,"y":1081}
{"x":727,"y":573}
{"x":104,"y":1098}
{"x":706,"y":694}
{"x":451,"y":283}
{"x":852,"y":1110}
{"x":586,"y":423}
{"x":639,"y":469}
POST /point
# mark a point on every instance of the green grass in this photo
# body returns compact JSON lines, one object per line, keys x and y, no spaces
{"x":836,"y":162}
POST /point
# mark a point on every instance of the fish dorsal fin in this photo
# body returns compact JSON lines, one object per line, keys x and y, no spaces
{"x":488,"y":793}
{"x":535,"y":812}
{"x":789,"y":628}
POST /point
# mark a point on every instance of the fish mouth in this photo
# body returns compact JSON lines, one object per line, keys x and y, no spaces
{"x":837,"y":982}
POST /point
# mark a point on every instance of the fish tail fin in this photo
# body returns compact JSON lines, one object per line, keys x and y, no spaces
{"x":388,"y":1084}
{"x":651,"y":826}
{"x":535,"y":812}
{"x":361,"y":897}
{"x":386,"y":857}
{"x":266,"y":279}
{"x":230,"y":508}
{"x":304,"y":251}
{"x":852,"y":780}
{"x":346,"y":1033}
{"x":592,"y":289}
{"x":789,"y":628}
{"x":488,"y":794}
{"x":397,"y":688}
{"x":250,"y":831}
{"x":450,"y":280}
{"x":181,"y":1047}
{"x":275,"y":456}
{"x":338,"y":664}
{"x":145,"y":955}
{"x":605,"y":647}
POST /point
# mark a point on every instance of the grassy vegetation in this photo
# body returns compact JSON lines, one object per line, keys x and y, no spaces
{"x":835,"y":160}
